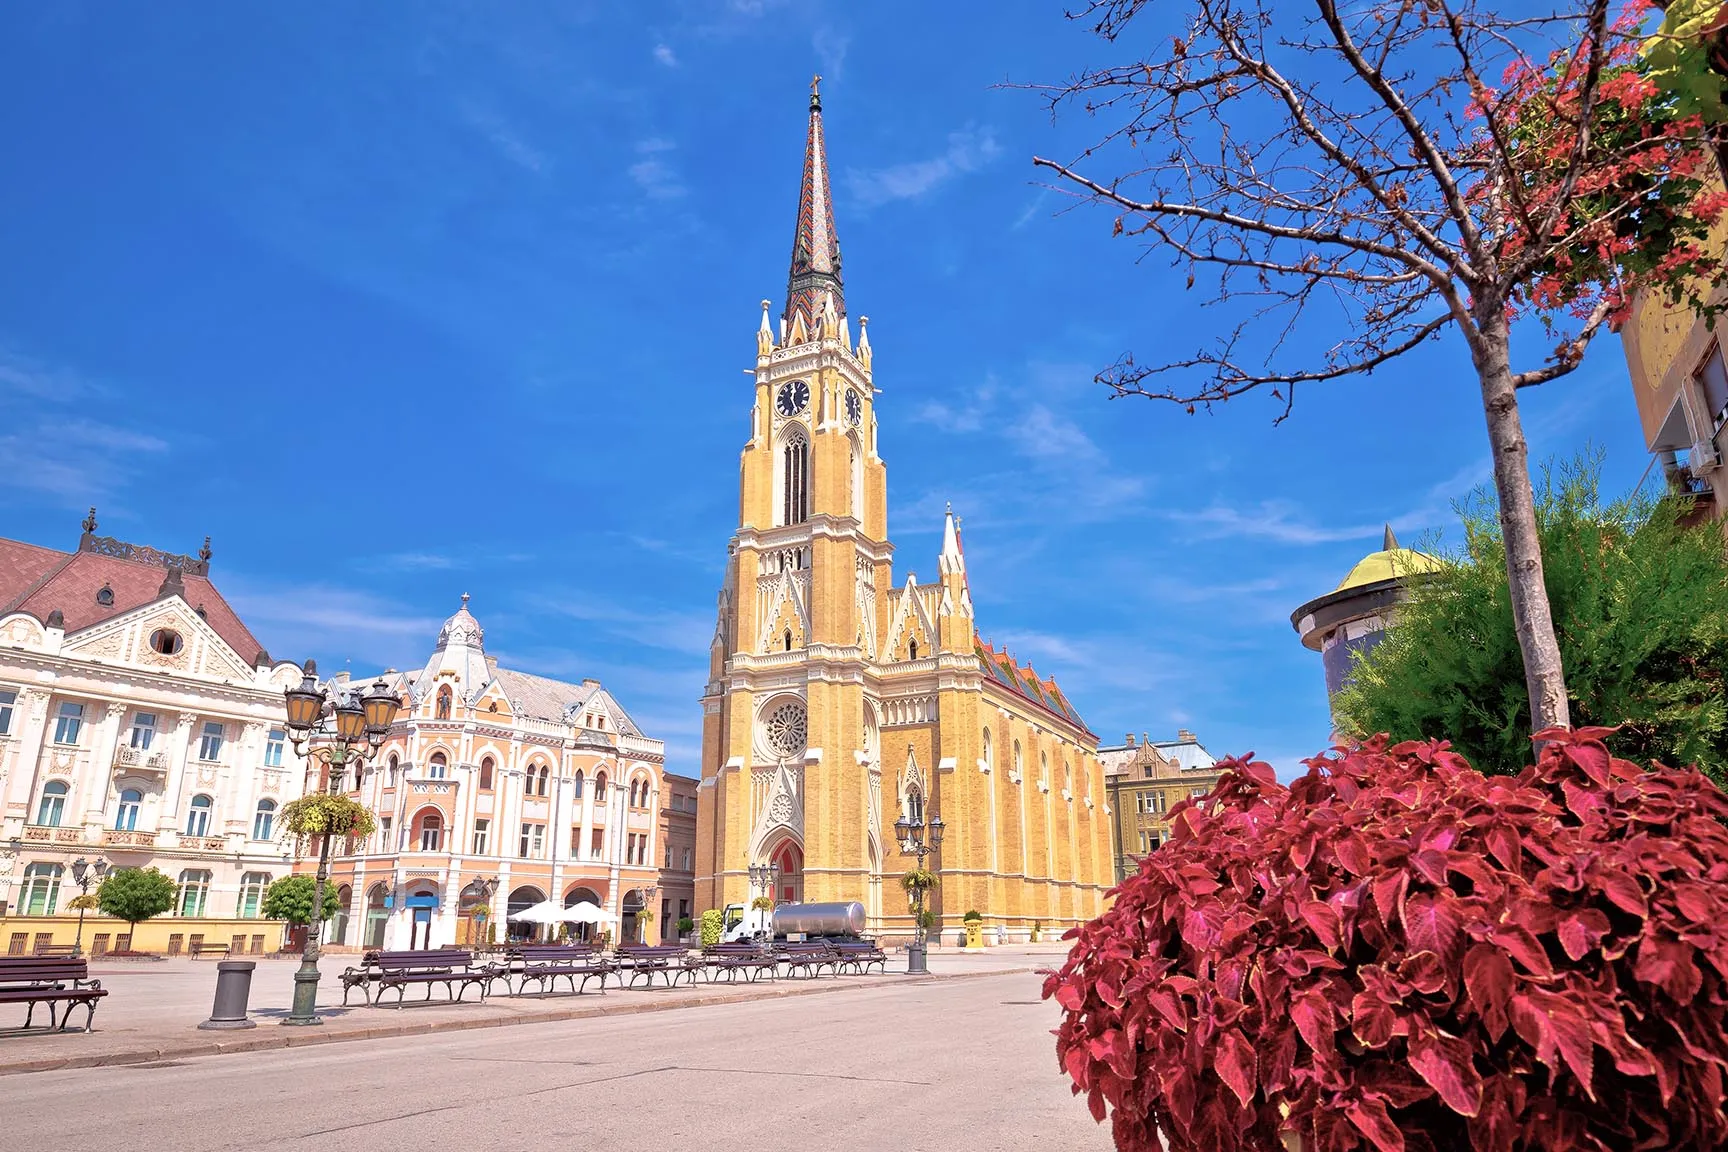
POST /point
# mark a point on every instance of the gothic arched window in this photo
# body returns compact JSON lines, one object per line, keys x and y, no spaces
{"x":795,"y":480}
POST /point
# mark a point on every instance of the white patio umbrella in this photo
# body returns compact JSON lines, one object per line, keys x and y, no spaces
{"x":545,"y":912}
{"x":588,"y":912}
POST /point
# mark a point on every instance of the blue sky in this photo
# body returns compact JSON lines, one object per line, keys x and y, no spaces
{"x":398,"y":301}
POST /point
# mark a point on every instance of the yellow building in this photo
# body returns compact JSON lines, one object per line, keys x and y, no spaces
{"x":1145,"y":780}
{"x":839,"y":701}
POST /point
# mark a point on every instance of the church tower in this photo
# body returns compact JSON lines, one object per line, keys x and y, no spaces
{"x":816,"y":654}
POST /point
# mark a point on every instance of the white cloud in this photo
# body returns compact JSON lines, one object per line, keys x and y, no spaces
{"x":333,"y":623}
{"x":504,"y":138}
{"x":653,"y":173}
{"x":830,"y":47}
{"x":664,"y":54}
{"x":81,"y":461}
{"x":968,"y":150}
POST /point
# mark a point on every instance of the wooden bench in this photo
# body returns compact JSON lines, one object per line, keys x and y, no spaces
{"x":739,"y":956}
{"x":808,"y":957}
{"x":60,"y":951}
{"x":199,"y":948}
{"x":858,"y":955}
{"x":451,"y":967}
{"x":545,"y":963}
{"x":34,"y":980}
{"x":645,"y":961}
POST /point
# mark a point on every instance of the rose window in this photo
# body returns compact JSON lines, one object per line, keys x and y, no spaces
{"x":787,"y":730}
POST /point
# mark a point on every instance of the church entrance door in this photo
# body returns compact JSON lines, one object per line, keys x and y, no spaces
{"x":789,"y":861}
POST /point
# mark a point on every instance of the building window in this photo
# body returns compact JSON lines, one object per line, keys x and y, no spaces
{"x":41,"y":893}
{"x":533,"y":841}
{"x":166,"y":642}
{"x":8,"y":700}
{"x":486,"y":774}
{"x":1199,"y":793}
{"x":68,"y":723}
{"x":53,"y":805}
{"x":273,"y":748}
{"x":915,"y":805}
{"x":431,"y":832}
{"x":576,"y":786}
{"x":444,"y":699}
{"x":683,"y":909}
{"x":481,"y":828}
{"x":126,"y":817}
{"x":989,"y":752}
{"x":668,"y":856}
{"x":252,"y":886}
{"x":600,"y":788}
{"x":385,"y":843}
{"x":795,"y":481}
{"x":143,"y":730}
{"x":390,"y":771}
{"x":1712,"y":380}
{"x":575,"y":842}
{"x":1148,"y":771}
{"x":1017,"y":773}
{"x":210,"y":744}
{"x":689,"y":864}
{"x":437,"y":767}
{"x":194,"y":891}
{"x":597,"y":844}
{"x":198,"y":816}
{"x":105,"y":595}
{"x":264,"y":820}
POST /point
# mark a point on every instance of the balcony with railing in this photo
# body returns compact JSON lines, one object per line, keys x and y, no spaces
{"x":140,"y":762}
{"x":52,"y":834}
{"x":119,"y":838}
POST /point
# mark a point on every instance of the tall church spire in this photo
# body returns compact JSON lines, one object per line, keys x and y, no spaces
{"x":814,"y":281}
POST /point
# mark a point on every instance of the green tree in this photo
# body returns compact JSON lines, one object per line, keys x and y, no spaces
{"x":135,"y":895}
{"x":1641,"y":610}
{"x":290,"y":899}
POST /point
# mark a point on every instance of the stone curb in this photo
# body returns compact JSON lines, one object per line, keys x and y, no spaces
{"x":261,"y":1041}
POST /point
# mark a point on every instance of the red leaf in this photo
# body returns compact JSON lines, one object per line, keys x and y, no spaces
{"x":1488,"y":980}
{"x":1505,"y":846}
{"x":1581,"y":931}
{"x":1430,"y":864}
{"x":1370,"y":1117}
{"x":1389,"y":894}
{"x":1431,"y":922}
{"x":1521,"y":944}
{"x":1371,"y":1020}
{"x":1668,"y":964}
{"x":1070,"y":995}
{"x":1444,"y":1061}
{"x":1323,"y":920}
{"x":1316,"y":1021}
{"x":1623,"y":891}
{"x":1233,"y":1059}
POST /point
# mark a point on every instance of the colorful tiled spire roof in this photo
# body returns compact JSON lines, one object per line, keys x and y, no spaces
{"x":1008,"y":672}
{"x":815,"y":275}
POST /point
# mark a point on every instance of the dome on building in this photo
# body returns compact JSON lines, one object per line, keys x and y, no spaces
{"x":462,"y":630}
{"x":1389,"y":563}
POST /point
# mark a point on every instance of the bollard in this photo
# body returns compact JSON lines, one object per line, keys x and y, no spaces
{"x":233,"y":988}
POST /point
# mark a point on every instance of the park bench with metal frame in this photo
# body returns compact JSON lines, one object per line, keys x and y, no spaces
{"x":451,"y":967}
{"x":738,"y":956}
{"x":808,"y":957}
{"x":56,"y":951}
{"x":362,"y":977}
{"x":56,"y":982}
{"x":200,"y":949}
{"x":649,"y":960}
{"x":544,"y":964}
{"x":856,"y":956}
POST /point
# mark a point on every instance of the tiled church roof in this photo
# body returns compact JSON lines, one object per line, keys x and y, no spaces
{"x":815,"y":273}
{"x":1023,"y":680}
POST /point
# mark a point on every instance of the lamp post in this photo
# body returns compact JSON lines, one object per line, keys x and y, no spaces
{"x":334,"y":728}
{"x":919,"y":840}
{"x":82,"y":873}
{"x":763,"y":876}
{"x":648,"y":895}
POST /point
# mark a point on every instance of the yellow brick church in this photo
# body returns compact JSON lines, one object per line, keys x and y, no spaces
{"x":839,"y":702}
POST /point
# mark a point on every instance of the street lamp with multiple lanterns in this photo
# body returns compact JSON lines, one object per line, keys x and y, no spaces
{"x":83,"y":872}
{"x":919,"y":840}
{"x":335,"y":728}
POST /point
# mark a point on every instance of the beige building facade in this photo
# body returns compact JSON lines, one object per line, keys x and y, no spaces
{"x":842,"y":698}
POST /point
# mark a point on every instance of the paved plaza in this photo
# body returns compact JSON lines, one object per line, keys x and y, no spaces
{"x":961,"y":1061}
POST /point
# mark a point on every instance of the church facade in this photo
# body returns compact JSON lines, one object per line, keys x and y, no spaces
{"x":840,"y":698}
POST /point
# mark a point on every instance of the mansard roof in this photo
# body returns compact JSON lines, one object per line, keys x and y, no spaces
{"x":1025,"y":682}
{"x":40,"y":581}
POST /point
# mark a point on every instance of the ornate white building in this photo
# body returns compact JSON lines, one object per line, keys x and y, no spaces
{"x":141,"y":722}
{"x":497,"y":790}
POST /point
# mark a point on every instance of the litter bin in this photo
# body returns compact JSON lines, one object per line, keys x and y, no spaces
{"x":233,"y":989}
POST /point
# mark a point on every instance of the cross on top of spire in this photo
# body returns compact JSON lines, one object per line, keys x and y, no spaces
{"x":814,"y":279}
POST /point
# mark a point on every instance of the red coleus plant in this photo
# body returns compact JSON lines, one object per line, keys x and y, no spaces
{"x":1397,"y":952}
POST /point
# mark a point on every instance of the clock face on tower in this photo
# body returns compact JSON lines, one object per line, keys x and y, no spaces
{"x":793,"y":398}
{"x":854,"y":408}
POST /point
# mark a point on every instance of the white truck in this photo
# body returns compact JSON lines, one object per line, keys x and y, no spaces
{"x":739,"y":922}
{"x":792,"y":921}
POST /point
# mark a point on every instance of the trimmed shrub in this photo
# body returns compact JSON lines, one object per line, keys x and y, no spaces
{"x":1397,"y":952}
{"x":972,"y":915}
{"x":713,"y":924}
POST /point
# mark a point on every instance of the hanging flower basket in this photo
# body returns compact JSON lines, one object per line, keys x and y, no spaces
{"x":324,"y":815}
{"x":918,"y":880}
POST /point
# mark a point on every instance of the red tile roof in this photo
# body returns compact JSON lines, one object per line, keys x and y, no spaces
{"x":38,"y":580}
{"x":1023,"y":680}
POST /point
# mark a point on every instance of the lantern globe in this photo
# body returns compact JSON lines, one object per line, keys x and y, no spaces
{"x":304,"y":702}
{"x":381,"y":706}
{"x":350,"y":721}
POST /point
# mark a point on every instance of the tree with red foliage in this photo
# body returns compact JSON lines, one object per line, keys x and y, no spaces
{"x":1397,"y":952}
{"x":1389,"y":172}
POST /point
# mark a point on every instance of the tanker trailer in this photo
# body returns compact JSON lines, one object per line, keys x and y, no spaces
{"x":816,"y":921}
